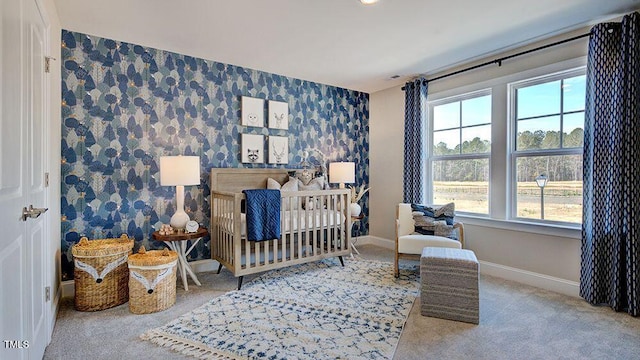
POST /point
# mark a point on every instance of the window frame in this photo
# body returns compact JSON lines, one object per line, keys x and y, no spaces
{"x":431,"y":158}
{"x":499,"y":167}
{"x":512,"y":133}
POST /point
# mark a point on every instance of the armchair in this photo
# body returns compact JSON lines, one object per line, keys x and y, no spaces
{"x":409,"y":244}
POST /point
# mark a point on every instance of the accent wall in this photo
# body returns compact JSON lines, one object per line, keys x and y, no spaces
{"x":125,"y":105}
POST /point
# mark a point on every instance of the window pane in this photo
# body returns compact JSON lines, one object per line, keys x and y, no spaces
{"x":573,"y":128}
{"x":540,"y":133}
{"x":463,"y":182}
{"x":476,"y":139}
{"x":538,"y":100}
{"x":574,"y":93}
{"x":476,"y":111}
{"x":446,"y":116}
{"x":562,"y":193}
{"x":446,"y":142}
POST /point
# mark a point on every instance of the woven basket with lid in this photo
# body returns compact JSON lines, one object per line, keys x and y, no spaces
{"x":101,"y":273}
{"x":152,"y":280}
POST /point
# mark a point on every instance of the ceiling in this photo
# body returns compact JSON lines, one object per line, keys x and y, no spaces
{"x":336,"y":42}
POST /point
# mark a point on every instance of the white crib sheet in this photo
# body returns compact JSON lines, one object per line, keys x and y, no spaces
{"x":323,"y":218}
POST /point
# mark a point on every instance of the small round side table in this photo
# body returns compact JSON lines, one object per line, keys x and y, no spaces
{"x":178,"y":243}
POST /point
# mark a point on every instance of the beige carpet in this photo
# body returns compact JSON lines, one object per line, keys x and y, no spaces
{"x":516,"y":321}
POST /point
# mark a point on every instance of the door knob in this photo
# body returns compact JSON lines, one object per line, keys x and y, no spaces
{"x":32,"y":212}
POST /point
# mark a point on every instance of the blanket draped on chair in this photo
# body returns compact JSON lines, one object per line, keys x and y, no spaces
{"x":263,"y":214}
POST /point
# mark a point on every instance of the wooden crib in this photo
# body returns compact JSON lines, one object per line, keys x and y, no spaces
{"x":309,"y":233}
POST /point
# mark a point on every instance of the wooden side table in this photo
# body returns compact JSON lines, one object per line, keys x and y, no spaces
{"x":178,"y":243}
{"x":354,"y":220}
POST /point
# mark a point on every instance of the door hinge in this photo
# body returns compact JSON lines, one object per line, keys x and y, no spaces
{"x":47,"y":293}
{"x":47,"y":63}
{"x":46,"y":179}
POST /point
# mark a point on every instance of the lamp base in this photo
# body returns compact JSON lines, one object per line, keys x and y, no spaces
{"x":179,"y":220}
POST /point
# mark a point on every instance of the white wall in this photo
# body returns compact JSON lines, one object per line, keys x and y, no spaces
{"x":550,"y":256}
{"x":386,"y":143}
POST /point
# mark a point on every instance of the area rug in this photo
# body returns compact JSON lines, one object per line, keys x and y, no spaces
{"x":319,"y":310}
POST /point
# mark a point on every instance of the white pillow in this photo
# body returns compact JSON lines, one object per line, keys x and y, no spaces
{"x":313,"y":185}
{"x":291,"y":185}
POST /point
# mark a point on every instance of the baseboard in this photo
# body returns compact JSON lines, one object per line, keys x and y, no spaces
{"x":546,"y":282}
{"x":542,"y":281}
{"x":68,"y":287}
{"x":205,"y":265}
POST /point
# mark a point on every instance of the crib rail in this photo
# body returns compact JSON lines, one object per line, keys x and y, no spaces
{"x":309,"y":232}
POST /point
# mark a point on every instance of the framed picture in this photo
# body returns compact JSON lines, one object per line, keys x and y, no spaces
{"x":278,"y":150}
{"x":278,"y":115}
{"x":252,"y":111}
{"x":252,"y":148}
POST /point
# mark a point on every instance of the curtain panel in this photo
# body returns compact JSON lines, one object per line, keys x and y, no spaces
{"x":610,"y":268}
{"x":415,"y":105}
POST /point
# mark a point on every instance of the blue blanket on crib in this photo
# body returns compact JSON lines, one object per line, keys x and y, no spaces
{"x":263,"y":214}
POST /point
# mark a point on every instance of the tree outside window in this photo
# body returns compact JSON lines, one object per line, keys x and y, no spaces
{"x":461,"y":138}
{"x":548,"y":128}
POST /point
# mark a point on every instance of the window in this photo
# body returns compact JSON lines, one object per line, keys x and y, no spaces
{"x":488,"y":141}
{"x":548,"y":123}
{"x":459,"y":155}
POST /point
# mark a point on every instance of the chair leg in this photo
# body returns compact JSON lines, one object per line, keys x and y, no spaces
{"x":219,"y":268}
{"x":396,"y":271}
{"x":341,"y":261}
{"x":240,"y":282}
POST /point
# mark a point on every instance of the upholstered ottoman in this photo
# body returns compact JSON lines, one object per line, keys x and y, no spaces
{"x":449,"y":284}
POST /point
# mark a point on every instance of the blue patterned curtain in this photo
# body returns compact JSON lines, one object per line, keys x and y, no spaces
{"x":610,"y":271}
{"x":415,"y":105}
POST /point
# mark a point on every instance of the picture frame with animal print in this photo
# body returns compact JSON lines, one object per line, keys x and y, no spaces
{"x":252,"y":149}
{"x":278,"y":150}
{"x":278,"y":115}
{"x":252,"y":111}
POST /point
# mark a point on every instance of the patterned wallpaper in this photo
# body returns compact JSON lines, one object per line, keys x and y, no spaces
{"x":125,"y":105}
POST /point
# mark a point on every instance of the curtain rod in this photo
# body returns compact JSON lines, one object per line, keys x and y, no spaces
{"x":500,"y":60}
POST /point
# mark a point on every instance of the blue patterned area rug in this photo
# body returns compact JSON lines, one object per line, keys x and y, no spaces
{"x":319,"y":310}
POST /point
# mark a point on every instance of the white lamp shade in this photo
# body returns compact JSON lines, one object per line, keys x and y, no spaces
{"x":342,"y":172}
{"x":179,"y":170}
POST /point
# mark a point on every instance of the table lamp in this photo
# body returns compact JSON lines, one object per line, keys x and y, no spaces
{"x":342,"y":172}
{"x":179,"y":171}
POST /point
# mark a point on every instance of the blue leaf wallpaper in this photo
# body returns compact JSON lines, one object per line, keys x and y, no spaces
{"x":125,"y":105}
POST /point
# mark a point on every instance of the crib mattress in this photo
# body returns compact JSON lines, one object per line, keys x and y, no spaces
{"x":291,"y":221}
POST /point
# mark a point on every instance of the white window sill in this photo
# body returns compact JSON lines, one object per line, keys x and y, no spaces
{"x":573,"y":232}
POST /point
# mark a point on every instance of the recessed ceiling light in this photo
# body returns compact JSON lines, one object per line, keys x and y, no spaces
{"x":368,"y":2}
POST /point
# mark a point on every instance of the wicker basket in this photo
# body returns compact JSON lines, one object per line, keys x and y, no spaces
{"x":101,"y":273}
{"x":152,"y":280}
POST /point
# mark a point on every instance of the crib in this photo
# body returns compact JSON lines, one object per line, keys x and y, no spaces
{"x":309,"y":233}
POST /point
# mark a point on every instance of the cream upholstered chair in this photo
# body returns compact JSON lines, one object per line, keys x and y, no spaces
{"x":409,"y":244}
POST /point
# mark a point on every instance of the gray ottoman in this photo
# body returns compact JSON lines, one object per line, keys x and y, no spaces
{"x":449,"y":284}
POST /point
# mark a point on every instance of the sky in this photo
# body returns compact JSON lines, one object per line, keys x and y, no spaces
{"x":535,"y":100}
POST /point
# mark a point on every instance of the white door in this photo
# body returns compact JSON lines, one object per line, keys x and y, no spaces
{"x":24,"y":257}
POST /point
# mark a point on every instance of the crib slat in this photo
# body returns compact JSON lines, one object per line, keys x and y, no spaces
{"x":265,"y":252}
{"x":314,"y":229}
{"x":298,"y":250}
{"x":289,"y":254}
